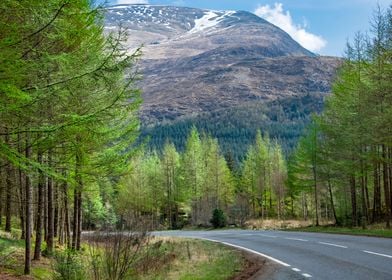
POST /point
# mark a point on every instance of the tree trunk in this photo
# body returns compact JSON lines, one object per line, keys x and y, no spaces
{"x":40,"y":210}
{"x":45,"y":196}
{"x":79,"y":232}
{"x":332,"y":202}
{"x":292,"y":206}
{"x":390,"y":174}
{"x":168,"y":211}
{"x":61,"y":225}
{"x":367,"y":196}
{"x":77,"y":227}
{"x":22,"y":209}
{"x":79,"y":183}
{"x":365,"y":217}
{"x":386,"y":188}
{"x":22,"y":195}
{"x":1,"y":194}
{"x":353,"y":201}
{"x":50,"y":236}
{"x":75,"y":219}
{"x":66,"y":217}
{"x":29,"y":198}
{"x":316,"y":195}
{"x":8,"y":198}
{"x":305,"y":206}
{"x":377,"y":193}
{"x":56,"y":211}
{"x":8,"y":189}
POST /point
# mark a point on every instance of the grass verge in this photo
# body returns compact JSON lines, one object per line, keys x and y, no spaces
{"x":374,"y":230}
{"x":196,"y":259}
{"x":183,"y":259}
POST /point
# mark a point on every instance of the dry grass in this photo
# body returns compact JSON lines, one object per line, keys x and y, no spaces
{"x":162,"y":258}
{"x":190,"y":259}
{"x":276,"y":224}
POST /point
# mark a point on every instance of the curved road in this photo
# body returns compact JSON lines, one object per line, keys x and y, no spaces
{"x":302,"y":255}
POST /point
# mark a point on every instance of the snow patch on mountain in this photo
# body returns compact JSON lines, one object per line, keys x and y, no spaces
{"x":209,"y":20}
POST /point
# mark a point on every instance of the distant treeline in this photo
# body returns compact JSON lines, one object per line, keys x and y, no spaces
{"x":235,"y":128}
{"x":173,"y":189}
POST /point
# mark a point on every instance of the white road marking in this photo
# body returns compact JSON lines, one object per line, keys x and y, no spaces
{"x":306,"y":275}
{"x":297,"y":239}
{"x":331,"y":244}
{"x":251,"y":251}
{"x":266,"y":235}
{"x":296,"y":269}
{"x":378,"y":254}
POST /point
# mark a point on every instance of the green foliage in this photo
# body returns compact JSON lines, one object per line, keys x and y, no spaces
{"x":218,"y":219}
{"x":235,"y":128}
{"x":68,"y":105}
{"x":64,"y":89}
{"x":8,"y":246}
{"x":173,"y":189}
{"x":263,"y":177}
{"x":69,"y":265}
{"x":41,"y":273}
{"x":346,"y":152}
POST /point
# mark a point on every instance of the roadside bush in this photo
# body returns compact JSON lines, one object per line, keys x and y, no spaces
{"x":68,"y":265}
{"x":113,"y":254}
{"x":218,"y":219}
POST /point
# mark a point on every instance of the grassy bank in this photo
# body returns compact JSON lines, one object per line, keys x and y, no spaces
{"x":161,"y":258}
{"x":374,"y":230}
{"x":195,"y":259}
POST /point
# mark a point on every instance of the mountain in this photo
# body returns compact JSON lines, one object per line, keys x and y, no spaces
{"x":227,"y":72}
{"x":178,"y":32}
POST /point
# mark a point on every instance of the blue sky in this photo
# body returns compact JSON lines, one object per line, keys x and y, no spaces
{"x":323,"y":26}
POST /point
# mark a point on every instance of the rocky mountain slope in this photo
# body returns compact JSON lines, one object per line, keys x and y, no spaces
{"x":197,"y":63}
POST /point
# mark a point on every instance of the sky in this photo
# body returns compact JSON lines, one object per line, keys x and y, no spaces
{"x":322,"y":26}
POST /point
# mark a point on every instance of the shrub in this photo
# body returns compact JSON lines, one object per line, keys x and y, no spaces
{"x":114,"y":254}
{"x":68,"y":265}
{"x":218,"y":218}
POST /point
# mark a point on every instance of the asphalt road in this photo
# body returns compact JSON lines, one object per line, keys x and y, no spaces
{"x":301,"y":255}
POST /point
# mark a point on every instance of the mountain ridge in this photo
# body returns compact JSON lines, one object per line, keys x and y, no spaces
{"x":196,"y":62}
{"x":171,"y":24}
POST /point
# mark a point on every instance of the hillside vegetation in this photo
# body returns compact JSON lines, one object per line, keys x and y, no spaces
{"x":235,"y":128}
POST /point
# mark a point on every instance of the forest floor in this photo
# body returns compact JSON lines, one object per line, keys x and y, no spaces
{"x":12,"y":259}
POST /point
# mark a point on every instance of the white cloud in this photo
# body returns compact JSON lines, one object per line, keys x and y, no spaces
{"x":121,"y":2}
{"x":277,"y":16}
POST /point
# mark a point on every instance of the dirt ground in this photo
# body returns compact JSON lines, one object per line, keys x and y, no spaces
{"x":256,"y":268}
{"x":6,"y":276}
